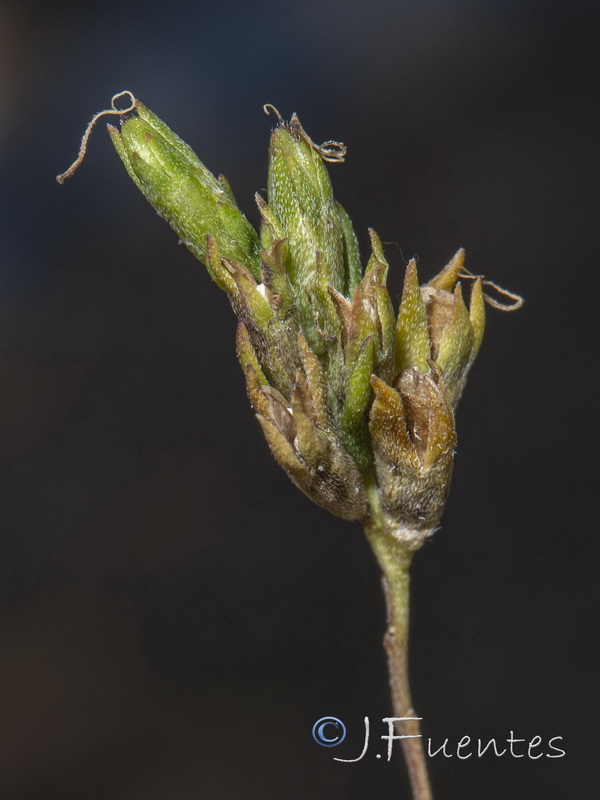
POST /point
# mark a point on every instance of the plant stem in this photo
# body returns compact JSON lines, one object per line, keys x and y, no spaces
{"x":394,"y":556}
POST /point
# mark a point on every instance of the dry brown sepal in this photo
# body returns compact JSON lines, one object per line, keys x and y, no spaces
{"x":307,"y":448}
{"x":413,"y":438}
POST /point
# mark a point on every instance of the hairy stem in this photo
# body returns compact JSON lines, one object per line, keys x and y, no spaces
{"x":394,"y":558}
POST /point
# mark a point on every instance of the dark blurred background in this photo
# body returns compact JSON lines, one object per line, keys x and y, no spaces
{"x":174,"y":614}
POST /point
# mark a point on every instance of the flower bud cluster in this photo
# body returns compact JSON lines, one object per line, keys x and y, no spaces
{"x":355,"y":400}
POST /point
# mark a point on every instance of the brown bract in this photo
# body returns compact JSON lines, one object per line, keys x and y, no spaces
{"x":304,"y":442}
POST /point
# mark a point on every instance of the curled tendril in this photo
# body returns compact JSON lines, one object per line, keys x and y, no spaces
{"x":332,"y":151}
{"x":517,"y":299}
{"x":268,"y":107}
{"x":84,"y":140}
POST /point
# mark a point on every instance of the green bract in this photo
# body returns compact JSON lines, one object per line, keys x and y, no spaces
{"x":356,"y":402}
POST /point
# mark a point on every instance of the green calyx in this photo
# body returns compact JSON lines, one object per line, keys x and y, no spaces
{"x":182,"y":190}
